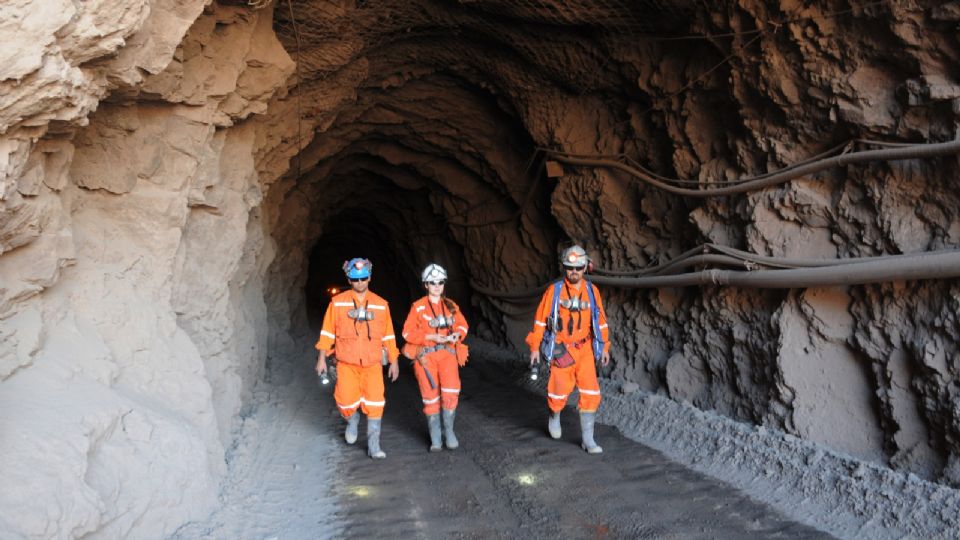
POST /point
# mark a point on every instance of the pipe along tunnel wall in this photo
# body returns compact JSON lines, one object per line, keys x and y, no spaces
{"x":181,"y":181}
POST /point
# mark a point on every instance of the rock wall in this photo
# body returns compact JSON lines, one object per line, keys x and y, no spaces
{"x":165,"y":202}
{"x":131,"y":292}
{"x":864,"y":370}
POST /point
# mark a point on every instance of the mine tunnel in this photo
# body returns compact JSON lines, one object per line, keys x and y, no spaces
{"x":765,"y":191}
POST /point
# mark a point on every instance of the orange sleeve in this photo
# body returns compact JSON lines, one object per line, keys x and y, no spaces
{"x":604,"y":330}
{"x":413,"y":331}
{"x":460,"y":322}
{"x":328,"y":330}
{"x":389,"y":338}
{"x":540,"y":320}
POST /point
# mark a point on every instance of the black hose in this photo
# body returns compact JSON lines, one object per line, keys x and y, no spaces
{"x":932,"y":265}
{"x":746,"y":256}
{"x":886,"y":154}
{"x":909,"y":267}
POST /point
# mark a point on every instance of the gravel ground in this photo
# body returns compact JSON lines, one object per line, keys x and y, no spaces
{"x":292,"y":476}
{"x":833,"y":492}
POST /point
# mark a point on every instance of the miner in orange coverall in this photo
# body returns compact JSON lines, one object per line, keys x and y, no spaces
{"x":435,"y":328}
{"x":357,"y":328}
{"x":570,"y":331}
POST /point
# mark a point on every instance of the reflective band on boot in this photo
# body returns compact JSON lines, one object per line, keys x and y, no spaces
{"x":449,"y":415}
{"x":373,"y":439}
{"x":586,"y":428}
{"x":553,"y":426}
{"x":350,"y":434}
{"x":433,"y":425}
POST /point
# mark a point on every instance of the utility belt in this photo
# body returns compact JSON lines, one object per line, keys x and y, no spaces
{"x":427,"y":350}
{"x":458,"y":350}
{"x":579,"y":343}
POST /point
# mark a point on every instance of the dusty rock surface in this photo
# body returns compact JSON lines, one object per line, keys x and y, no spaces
{"x":125,"y":354}
{"x":176,"y":194}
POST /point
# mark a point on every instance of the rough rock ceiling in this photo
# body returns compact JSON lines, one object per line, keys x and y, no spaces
{"x":521,"y":26}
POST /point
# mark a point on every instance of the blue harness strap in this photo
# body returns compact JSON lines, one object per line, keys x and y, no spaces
{"x":550,"y":334}
{"x":597,"y":341}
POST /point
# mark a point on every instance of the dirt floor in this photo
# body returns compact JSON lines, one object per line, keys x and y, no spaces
{"x":292,"y":476}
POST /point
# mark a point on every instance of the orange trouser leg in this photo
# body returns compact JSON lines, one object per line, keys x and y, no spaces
{"x":582,"y":374}
{"x":559,"y":387}
{"x":372,"y":400}
{"x":431,"y":396}
{"x":586,"y":376}
{"x":449,"y":380}
{"x":347,"y":392}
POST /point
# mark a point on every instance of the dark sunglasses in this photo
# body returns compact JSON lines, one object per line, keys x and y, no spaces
{"x":357,"y":279}
{"x":576,"y":268}
{"x":436,"y":282}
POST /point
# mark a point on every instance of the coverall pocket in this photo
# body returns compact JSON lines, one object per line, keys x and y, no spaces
{"x":347,"y":349}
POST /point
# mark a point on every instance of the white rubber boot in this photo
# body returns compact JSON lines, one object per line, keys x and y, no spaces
{"x":586,"y":428}
{"x":449,"y":415}
{"x":373,"y":439}
{"x":350,"y":434}
{"x":553,"y":425}
{"x":433,"y":425}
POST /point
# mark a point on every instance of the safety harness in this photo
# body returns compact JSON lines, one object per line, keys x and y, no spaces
{"x":360,"y":313}
{"x":555,"y":325}
{"x":439,"y":322}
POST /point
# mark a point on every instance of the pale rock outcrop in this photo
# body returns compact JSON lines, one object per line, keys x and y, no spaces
{"x":128,"y":346}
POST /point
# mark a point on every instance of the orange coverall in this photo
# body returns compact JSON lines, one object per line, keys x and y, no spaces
{"x":358,"y":346}
{"x":577,"y":338}
{"x":441,"y":364}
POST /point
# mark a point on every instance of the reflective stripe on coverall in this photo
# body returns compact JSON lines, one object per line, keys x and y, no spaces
{"x":358,"y":346}
{"x":576,"y":337}
{"x":441,"y":364}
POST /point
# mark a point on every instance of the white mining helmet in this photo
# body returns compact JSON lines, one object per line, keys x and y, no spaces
{"x":574,"y":256}
{"x":433,"y":272}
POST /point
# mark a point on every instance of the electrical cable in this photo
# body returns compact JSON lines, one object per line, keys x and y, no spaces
{"x":793,"y":273}
{"x":893,"y":153}
{"x":939,"y":265}
{"x":739,"y":255}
